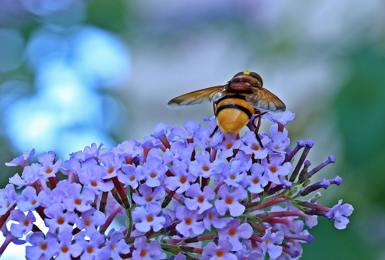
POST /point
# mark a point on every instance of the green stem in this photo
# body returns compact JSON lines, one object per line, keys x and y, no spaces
{"x":129,"y":215}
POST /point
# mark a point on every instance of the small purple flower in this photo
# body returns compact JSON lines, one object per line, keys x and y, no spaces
{"x":8,"y":196}
{"x":280,"y":117}
{"x":21,"y":160}
{"x":58,"y":219}
{"x":211,"y":218}
{"x":67,"y":248}
{"x":42,"y":247}
{"x":31,"y":173}
{"x":235,"y":172}
{"x":271,"y":243}
{"x":92,"y":177}
{"x":199,"y":199}
{"x":216,"y":252}
{"x":229,"y":200}
{"x":147,"y":218}
{"x":279,"y":140}
{"x":148,"y":195}
{"x":91,"y":244}
{"x":190,"y":224}
{"x":257,"y":180}
{"x":251,"y":146}
{"x":202,"y":166}
{"x":181,"y":180}
{"x":28,"y":199}
{"x":111,"y":163}
{"x":340,"y":213}
{"x":79,"y":199}
{"x":147,"y":251}
{"x":25,"y":222}
{"x":234,"y":231}
{"x":153,"y":169}
{"x":49,"y":167}
{"x":275,"y":168}
{"x":90,"y":220}
{"x":131,"y":175}
{"x":115,"y":245}
{"x":230,"y":143}
{"x":128,"y":150}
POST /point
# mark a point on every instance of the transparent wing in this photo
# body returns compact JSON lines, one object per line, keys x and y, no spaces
{"x":265,"y":100}
{"x":196,"y":97}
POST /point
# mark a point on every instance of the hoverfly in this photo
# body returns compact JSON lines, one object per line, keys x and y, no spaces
{"x":235,"y":102}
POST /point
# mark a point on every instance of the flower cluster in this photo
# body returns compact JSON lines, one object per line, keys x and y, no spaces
{"x":182,"y":193}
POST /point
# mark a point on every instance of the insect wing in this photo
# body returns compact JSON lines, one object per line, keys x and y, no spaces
{"x":265,"y":100}
{"x":196,"y":97}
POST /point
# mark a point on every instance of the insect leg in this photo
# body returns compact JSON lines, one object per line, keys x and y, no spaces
{"x":215,"y":130}
{"x":257,"y":126}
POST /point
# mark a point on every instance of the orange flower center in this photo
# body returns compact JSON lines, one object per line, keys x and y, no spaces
{"x":143,"y":253}
{"x":201,"y":199}
{"x":229,"y":200}
{"x":255,"y":147}
{"x":60,"y":220}
{"x":64,"y":249}
{"x":233,"y":177}
{"x":43,"y":246}
{"x":188,"y":221}
{"x":206,"y":168}
{"x":149,"y":218}
{"x":232,"y":232}
{"x":94,"y":183}
{"x":229,"y":145}
{"x":87,"y":222}
{"x":183,"y":179}
{"x":26,"y":222}
{"x":110,"y":170}
{"x":255,"y":180}
{"x":33,"y":202}
{"x":90,"y":249}
{"x":273,"y":169}
{"x":78,"y":201}
{"x":132,"y":178}
{"x":153,"y":174}
{"x":149,"y":198}
{"x":220,"y":253}
{"x":48,"y":170}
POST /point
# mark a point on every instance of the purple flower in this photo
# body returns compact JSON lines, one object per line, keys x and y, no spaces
{"x":28,"y":199}
{"x":251,"y":146}
{"x":148,"y":195}
{"x":153,"y":169}
{"x":58,"y":218}
{"x":279,"y":140}
{"x":147,"y":251}
{"x":21,"y":160}
{"x":271,"y":243}
{"x":79,"y":199}
{"x":131,"y":175}
{"x":8,"y":196}
{"x":257,"y":180}
{"x":280,"y":117}
{"x":216,"y":252}
{"x":212,"y":218}
{"x":91,"y":244}
{"x":340,"y":213}
{"x":229,"y":200}
{"x":90,"y":220}
{"x":128,"y":150}
{"x":31,"y":173}
{"x":25,"y":222}
{"x":49,"y":167}
{"x":181,"y":180}
{"x":115,"y":245}
{"x":234,"y":231}
{"x":229,"y":144}
{"x":111,"y":163}
{"x":235,"y":172}
{"x":42,"y":247}
{"x":202,"y":166}
{"x":190,"y":224}
{"x":275,"y":168}
{"x":92,"y":177}
{"x":147,"y":218}
{"x":67,"y":248}
{"x":199,"y":199}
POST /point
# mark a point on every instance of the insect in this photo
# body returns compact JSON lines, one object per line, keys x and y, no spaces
{"x":235,"y":102}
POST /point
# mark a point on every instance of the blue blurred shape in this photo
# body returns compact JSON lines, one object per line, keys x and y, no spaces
{"x":45,"y":7}
{"x":101,"y":57}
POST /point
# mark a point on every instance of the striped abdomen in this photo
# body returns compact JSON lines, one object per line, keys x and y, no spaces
{"x":233,"y":112}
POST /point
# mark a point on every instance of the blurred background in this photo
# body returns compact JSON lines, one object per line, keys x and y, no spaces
{"x":73,"y":72}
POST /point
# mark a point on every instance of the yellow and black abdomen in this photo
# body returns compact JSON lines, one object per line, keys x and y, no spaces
{"x":233,"y":112}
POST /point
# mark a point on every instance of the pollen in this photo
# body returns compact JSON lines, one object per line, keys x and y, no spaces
{"x":26,"y":222}
{"x":188,"y":221}
{"x":220,"y":253}
{"x":182,"y":179}
{"x":255,"y":147}
{"x":200,"y":199}
{"x":153,"y":174}
{"x":232,"y":232}
{"x":149,"y":198}
{"x":150,"y":218}
{"x":94,"y":183}
{"x":87,"y":222}
{"x":90,"y":249}
{"x":229,"y":200}
{"x":233,"y":177}
{"x":132,"y":178}
{"x":78,"y":201}
{"x":33,"y":202}
{"x":273,"y":169}
{"x":110,"y":170}
{"x":60,"y":220}
{"x":48,"y":170}
{"x":229,"y":145}
{"x":43,"y":246}
{"x":255,"y":180}
{"x":205,"y":168}
{"x":64,"y":249}
{"x":143,"y":253}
